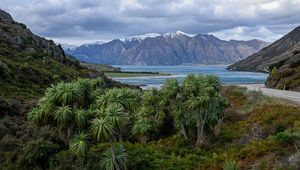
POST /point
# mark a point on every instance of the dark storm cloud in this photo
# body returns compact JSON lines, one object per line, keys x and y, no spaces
{"x":76,"y":21}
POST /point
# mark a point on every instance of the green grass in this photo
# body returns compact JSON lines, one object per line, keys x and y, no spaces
{"x":101,"y":67}
{"x":132,"y":74}
{"x":114,"y":72}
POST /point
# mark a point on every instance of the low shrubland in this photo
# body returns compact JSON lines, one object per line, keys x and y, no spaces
{"x":197,"y":125}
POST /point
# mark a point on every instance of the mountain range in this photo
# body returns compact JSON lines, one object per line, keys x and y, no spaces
{"x":167,"y":49}
{"x":281,"y":60}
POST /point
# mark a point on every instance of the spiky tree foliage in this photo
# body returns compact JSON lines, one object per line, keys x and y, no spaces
{"x":152,"y":98}
{"x":79,"y":145}
{"x":214,"y":82}
{"x":199,"y":104}
{"x":190,"y":85}
{"x":128,"y":98}
{"x":217,"y":114}
{"x":170,"y":89}
{"x":65,"y":105}
{"x":104,"y":127}
{"x":118,"y":117}
{"x":63,"y":116}
{"x":101,"y":128}
{"x":65,"y":94}
{"x":143,"y":126}
{"x":82,"y":117}
{"x":181,"y":118}
{"x":109,"y":163}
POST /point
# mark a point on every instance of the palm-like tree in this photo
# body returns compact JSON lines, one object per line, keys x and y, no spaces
{"x":41,"y":114}
{"x":216,"y":117}
{"x":142,"y":128}
{"x":129,"y":99}
{"x":214,"y":82}
{"x":81,"y":117}
{"x":101,"y":128}
{"x":67,"y":94}
{"x":63,"y":115}
{"x":179,"y":115}
{"x":199,"y":104}
{"x":171,"y":88}
{"x":79,"y":145}
{"x":109,"y":163}
{"x":152,"y":100}
{"x":118,"y":118}
{"x":190,"y":85}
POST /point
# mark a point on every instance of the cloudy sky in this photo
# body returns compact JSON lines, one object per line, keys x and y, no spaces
{"x":81,"y":21}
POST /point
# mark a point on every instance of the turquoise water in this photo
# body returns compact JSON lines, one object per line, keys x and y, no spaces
{"x":180,"y":72}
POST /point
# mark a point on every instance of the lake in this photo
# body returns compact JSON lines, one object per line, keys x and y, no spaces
{"x":180,"y":72}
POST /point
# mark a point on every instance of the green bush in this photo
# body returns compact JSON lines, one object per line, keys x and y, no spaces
{"x":231,"y":165}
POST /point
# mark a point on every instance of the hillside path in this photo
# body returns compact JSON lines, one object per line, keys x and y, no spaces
{"x":284,"y":94}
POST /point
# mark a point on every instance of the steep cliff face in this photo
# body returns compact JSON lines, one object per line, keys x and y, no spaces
{"x":168,"y":49}
{"x":261,"y":60}
{"x":281,"y":59}
{"x":29,"y":63}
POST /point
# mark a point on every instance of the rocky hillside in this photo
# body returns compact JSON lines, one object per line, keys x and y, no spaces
{"x":168,"y":49}
{"x":29,"y":63}
{"x":281,"y":59}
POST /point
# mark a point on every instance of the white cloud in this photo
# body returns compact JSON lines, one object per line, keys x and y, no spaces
{"x":81,"y":21}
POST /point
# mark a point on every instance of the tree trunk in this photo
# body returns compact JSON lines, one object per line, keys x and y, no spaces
{"x":217,"y":128}
{"x":143,"y":139}
{"x":120,"y":135}
{"x":70,"y":132}
{"x":82,"y":160}
{"x":183,"y":131}
{"x":113,"y":154}
{"x":200,"y":129}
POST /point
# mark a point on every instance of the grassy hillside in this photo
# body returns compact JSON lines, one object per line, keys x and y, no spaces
{"x":29,"y":64}
{"x":285,"y":74}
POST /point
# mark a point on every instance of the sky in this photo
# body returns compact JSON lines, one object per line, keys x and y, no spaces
{"x":83,"y":21}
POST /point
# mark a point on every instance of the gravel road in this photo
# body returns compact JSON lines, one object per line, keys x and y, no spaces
{"x":289,"y":95}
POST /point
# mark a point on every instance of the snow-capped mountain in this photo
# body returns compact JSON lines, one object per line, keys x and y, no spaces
{"x":141,"y":37}
{"x":175,"y":34}
{"x":168,"y":49}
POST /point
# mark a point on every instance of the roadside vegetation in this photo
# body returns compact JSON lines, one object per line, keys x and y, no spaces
{"x":86,"y":124}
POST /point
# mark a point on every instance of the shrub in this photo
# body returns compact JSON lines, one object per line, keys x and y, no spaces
{"x":231,"y":165}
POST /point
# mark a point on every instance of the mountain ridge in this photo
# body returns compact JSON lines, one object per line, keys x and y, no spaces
{"x":281,"y":60}
{"x":168,"y":49}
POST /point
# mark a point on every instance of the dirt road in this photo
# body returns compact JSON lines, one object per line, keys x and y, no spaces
{"x":289,"y":95}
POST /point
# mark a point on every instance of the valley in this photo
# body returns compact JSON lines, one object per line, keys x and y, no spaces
{"x":132,"y":103}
